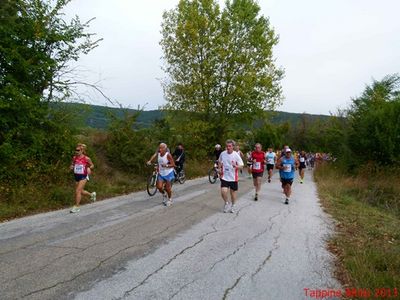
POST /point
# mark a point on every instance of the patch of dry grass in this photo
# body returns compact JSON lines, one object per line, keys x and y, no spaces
{"x":367,"y":243}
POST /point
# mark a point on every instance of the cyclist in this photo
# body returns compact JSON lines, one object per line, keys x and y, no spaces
{"x":270,"y":157}
{"x":229,"y":164}
{"x":166,"y":167}
{"x":302,"y":166}
{"x":82,"y":167}
{"x":258,"y":159}
{"x":287,"y":166}
{"x":179,"y":156}
{"x":217,"y":151}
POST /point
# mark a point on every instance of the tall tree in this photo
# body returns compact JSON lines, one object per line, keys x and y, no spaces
{"x":374,"y":119}
{"x":36,"y":48}
{"x":219,"y":63}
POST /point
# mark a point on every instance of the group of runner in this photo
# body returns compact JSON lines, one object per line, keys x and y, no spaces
{"x":229,"y":163}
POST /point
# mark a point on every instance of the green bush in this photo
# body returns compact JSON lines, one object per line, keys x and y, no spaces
{"x":128,"y":148}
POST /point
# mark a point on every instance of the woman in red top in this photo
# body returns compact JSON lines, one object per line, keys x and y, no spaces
{"x":258,"y":159}
{"x":82,"y":167}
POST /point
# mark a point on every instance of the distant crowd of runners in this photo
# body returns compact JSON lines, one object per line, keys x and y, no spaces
{"x":230,"y":161}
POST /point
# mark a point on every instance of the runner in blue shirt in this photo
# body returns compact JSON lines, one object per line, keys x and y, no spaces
{"x":287,"y":165}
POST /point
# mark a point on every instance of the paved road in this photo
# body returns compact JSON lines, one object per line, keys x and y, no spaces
{"x":131,"y":247}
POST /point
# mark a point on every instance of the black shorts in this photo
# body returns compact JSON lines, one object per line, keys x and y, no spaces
{"x":286,"y":181}
{"x":270,"y":167}
{"x":258,"y":174}
{"x":79,"y":177}
{"x":233,"y":185}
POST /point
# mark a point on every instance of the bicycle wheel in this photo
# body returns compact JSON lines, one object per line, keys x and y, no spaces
{"x":212,"y":175}
{"x":152,"y":185}
{"x":181,"y":177}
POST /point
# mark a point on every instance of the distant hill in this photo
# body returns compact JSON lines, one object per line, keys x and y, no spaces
{"x":96,"y":116}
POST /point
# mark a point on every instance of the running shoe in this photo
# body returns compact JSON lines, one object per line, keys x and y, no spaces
{"x":287,"y":201}
{"x":93,"y":196}
{"x":165,"y":199}
{"x":233,"y":208}
{"x":269,"y":180}
{"x":75,"y":209}
{"x":169,"y":202}
{"x":301,"y":181}
{"x":226,"y":207}
{"x":256,"y":197}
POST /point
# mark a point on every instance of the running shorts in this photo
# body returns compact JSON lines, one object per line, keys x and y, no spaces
{"x":168,"y":177}
{"x":270,"y":167}
{"x":286,"y":181}
{"x":79,"y":177}
{"x":258,"y":174}
{"x":233,"y":185}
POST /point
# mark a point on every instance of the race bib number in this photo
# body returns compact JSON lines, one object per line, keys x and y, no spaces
{"x":79,"y":169}
{"x":257,"y":166}
{"x":302,"y":159}
{"x":287,"y":168}
{"x":270,"y":161}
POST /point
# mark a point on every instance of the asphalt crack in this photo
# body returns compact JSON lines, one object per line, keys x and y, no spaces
{"x":182,"y":288}
{"x":128,"y":292}
{"x":229,"y":289}
{"x":43,"y":240}
{"x":110,"y":257}
{"x":239,"y":210}
{"x":268,"y":228}
{"x":262,"y":265}
{"x":36,"y":270}
{"x":270,"y":252}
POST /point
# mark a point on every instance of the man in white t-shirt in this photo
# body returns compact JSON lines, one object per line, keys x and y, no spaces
{"x":229,"y":164}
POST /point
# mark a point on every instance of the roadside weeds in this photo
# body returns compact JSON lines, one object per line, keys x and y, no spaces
{"x":367,"y":239}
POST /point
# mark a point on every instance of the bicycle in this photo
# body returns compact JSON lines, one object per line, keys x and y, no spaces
{"x":152,"y":181}
{"x":180,"y":176}
{"x":213,"y":173}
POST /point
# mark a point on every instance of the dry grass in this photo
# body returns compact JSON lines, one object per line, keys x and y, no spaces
{"x":367,"y":242}
{"x":44,"y":195}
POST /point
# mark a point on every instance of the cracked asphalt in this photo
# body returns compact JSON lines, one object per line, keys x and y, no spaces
{"x":132,"y":247}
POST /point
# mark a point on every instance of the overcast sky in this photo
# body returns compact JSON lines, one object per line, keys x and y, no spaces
{"x":329,"y":49}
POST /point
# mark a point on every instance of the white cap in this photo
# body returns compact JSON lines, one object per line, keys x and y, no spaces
{"x":288,"y":150}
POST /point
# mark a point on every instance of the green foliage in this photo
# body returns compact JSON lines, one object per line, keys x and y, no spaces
{"x":375,"y":122}
{"x":36,"y":45}
{"x":270,"y":135}
{"x":128,"y":148}
{"x":367,"y":133}
{"x":219,"y":63}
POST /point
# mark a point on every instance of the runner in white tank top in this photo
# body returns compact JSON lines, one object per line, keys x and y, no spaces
{"x":166,"y":165}
{"x":162,"y":163}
